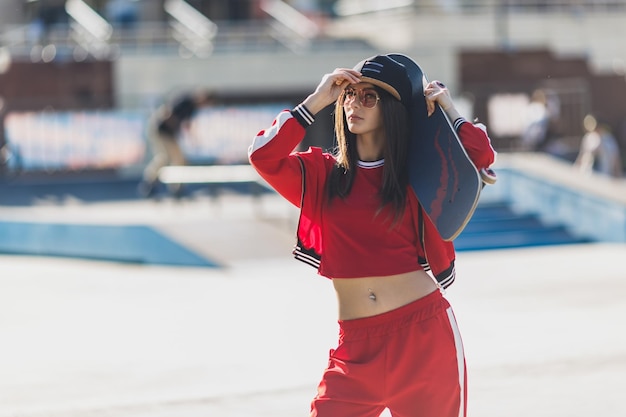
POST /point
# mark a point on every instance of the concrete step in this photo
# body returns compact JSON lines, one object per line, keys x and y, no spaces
{"x":497,"y":226}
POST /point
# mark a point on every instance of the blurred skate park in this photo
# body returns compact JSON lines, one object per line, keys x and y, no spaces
{"x":114,"y":303}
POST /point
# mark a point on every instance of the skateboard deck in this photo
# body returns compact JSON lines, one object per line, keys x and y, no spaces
{"x":443,"y":177}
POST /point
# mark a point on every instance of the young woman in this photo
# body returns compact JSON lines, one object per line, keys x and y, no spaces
{"x":362,"y":227}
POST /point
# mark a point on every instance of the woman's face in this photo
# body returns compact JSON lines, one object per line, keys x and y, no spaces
{"x":361,"y":105}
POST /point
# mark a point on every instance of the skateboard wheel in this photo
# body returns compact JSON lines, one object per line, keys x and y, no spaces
{"x":488,"y":176}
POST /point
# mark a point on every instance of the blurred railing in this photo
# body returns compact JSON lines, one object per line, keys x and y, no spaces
{"x":354,"y":7}
{"x":158,"y":38}
{"x":271,"y":33}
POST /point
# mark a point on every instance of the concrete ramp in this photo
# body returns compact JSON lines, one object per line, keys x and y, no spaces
{"x":126,"y":243}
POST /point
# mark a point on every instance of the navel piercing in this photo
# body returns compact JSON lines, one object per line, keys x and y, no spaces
{"x":372,"y":296}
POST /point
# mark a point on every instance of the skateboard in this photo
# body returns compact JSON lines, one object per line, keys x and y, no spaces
{"x":443,"y":177}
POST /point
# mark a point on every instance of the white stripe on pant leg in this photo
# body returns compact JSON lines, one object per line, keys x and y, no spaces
{"x":460,"y":358}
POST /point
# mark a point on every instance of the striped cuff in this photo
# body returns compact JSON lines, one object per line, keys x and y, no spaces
{"x":458,"y":122}
{"x":303,"y":115}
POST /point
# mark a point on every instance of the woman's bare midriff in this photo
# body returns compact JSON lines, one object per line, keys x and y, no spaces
{"x":369,"y":296}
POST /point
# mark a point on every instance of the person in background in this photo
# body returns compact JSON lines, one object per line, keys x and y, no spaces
{"x":541,"y":116}
{"x":163,"y":131}
{"x":599,"y":150}
{"x":4,"y":146}
{"x":50,"y":13}
{"x":123,"y":14}
{"x":362,"y":227}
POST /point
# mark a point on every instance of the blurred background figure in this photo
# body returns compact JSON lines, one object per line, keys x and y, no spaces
{"x":123,"y":14}
{"x":599,"y":150}
{"x":542,"y":114}
{"x":49,"y":13}
{"x":4,"y":146}
{"x":163,"y":130}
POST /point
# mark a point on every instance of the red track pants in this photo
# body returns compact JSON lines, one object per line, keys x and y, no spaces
{"x":409,"y":360}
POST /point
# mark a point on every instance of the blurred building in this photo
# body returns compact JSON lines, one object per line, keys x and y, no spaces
{"x":125,"y":54}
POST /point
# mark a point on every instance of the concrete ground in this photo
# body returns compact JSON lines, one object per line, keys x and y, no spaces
{"x":543,"y":327}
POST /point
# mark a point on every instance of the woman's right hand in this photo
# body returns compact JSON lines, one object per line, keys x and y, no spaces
{"x":329,"y":89}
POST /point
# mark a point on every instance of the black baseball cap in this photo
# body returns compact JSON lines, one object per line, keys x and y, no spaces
{"x":388,"y":74}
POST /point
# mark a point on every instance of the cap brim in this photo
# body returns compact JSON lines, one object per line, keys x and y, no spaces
{"x":382,"y":85}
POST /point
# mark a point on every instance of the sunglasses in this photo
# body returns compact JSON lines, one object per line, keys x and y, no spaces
{"x":367,"y":97}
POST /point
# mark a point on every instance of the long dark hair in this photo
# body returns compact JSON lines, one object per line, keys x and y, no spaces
{"x":395,"y":172}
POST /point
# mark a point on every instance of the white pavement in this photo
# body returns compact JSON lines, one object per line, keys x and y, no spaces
{"x":543,"y":327}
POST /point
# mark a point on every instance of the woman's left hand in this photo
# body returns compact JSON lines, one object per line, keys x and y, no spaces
{"x":437,"y":92}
